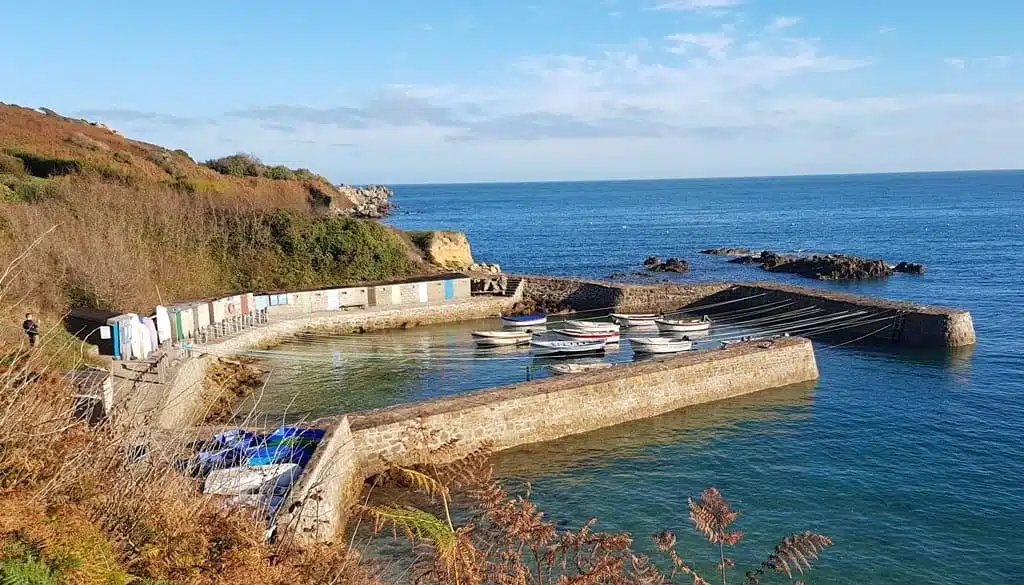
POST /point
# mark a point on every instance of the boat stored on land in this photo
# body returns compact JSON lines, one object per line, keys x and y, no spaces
{"x":562,"y":369}
{"x":556,"y":348}
{"x":683,"y":325}
{"x":501,"y":338}
{"x":524,"y":320}
{"x":250,"y":480}
{"x":660,"y":345}
{"x":589,"y":334}
{"x":635,"y":319}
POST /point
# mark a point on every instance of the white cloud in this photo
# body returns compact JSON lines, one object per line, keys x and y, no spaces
{"x":714,"y":44}
{"x":696,"y":5}
{"x":427,"y":27}
{"x":884,"y":30}
{"x":782,"y":22}
{"x":954,"y":62}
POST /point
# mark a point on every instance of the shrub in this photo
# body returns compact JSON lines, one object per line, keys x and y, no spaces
{"x":184,"y":154}
{"x":279,"y":173}
{"x":123,"y":157}
{"x":11,"y":165}
{"x":7,"y":194}
{"x":46,"y":167}
{"x":237,"y":165}
{"x":28,"y":189}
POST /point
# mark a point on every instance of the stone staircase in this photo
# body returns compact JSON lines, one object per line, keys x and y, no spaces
{"x":514,"y":283}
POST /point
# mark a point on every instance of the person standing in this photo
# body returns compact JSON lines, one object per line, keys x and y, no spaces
{"x":31,"y":329}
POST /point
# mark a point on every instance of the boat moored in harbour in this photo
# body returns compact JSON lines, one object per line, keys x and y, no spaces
{"x":501,"y":338}
{"x":556,"y":348}
{"x":562,"y":369}
{"x":659,"y":345}
{"x":683,"y":325}
{"x":592,"y":325}
{"x":524,"y":320}
{"x":635,"y":319}
{"x":589,"y":334}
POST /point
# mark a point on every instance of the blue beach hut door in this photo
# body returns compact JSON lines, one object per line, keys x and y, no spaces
{"x":449,"y":289}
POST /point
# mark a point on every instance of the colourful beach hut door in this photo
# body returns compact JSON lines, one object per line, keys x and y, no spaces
{"x":179,"y":331}
{"x":449,"y":289}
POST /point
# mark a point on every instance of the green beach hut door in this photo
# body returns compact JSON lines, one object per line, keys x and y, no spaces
{"x":449,"y":289}
{"x":179,"y":331}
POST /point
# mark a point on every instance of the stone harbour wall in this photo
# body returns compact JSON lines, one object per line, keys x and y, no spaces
{"x":552,"y":294}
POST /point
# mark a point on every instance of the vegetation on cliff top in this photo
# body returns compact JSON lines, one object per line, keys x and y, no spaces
{"x":126,"y":225}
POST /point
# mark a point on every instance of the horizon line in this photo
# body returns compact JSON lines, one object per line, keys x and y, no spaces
{"x":706,"y":178}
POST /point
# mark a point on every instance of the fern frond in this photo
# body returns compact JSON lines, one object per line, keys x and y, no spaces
{"x":711,"y":516}
{"x":418,"y":524}
{"x":792,"y":552}
{"x":25,"y":572}
{"x":422,"y":481}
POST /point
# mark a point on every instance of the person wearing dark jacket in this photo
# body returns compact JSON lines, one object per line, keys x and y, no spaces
{"x":31,"y":329}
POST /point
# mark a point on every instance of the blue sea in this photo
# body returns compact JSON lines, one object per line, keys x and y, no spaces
{"x":912,"y":461}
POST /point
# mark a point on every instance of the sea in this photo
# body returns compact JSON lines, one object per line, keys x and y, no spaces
{"x":911,"y":461}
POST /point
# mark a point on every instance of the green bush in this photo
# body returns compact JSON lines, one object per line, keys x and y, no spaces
{"x":34,"y":190}
{"x":46,"y":167}
{"x":184,"y":154}
{"x":123,"y":157}
{"x":279,"y":173}
{"x":237,"y":165}
{"x":7,"y":194}
{"x":11,"y":165}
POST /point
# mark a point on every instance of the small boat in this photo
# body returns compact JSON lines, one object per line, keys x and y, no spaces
{"x":251,"y":480}
{"x":591,"y":325}
{"x":524,"y":320}
{"x":683,"y":326}
{"x":499,"y":338}
{"x":635,"y":319}
{"x":659,"y":345}
{"x":589,"y":334}
{"x":553,"y":348}
{"x":562,"y":369}
{"x":278,"y":454}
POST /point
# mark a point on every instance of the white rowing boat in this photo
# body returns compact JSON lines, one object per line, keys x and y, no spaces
{"x":501,"y":338}
{"x":251,"y":480}
{"x":588,"y":334}
{"x":524,"y":320}
{"x":591,"y":325}
{"x":683,"y":326}
{"x":553,"y":348}
{"x":660,"y":345}
{"x":562,"y":369}
{"x":635,"y":319}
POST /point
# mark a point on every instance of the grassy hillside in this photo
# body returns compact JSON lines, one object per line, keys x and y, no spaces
{"x":115,"y":223}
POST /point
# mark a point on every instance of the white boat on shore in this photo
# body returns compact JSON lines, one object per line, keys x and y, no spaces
{"x":592,"y":325}
{"x":562,"y":369}
{"x":556,"y":348}
{"x":589,"y":334}
{"x":524,"y":320}
{"x":635,"y":319}
{"x":234,"y":481}
{"x":501,"y":338}
{"x":683,"y":326}
{"x":660,"y":345}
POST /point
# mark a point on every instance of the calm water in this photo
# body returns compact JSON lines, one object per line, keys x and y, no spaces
{"x":912,"y":461}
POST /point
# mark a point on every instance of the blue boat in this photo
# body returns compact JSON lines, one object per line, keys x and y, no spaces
{"x":296,"y":433}
{"x":239,"y":439}
{"x":525,"y":320}
{"x":278,"y":454}
{"x":206,"y":461}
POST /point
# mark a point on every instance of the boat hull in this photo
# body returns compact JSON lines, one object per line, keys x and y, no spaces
{"x":606,"y":336}
{"x":563,"y":369}
{"x":592,"y":326}
{"x":638,"y":320}
{"x":656,"y":345}
{"x":525,"y":321}
{"x":499,"y":338}
{"x":682,"y":326}
{"x":562,"y":348}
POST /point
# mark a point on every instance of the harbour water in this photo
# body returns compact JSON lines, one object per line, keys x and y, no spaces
{"x":913,"y":461}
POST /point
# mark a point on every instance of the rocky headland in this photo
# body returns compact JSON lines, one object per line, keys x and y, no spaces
{"x":368,"y":201}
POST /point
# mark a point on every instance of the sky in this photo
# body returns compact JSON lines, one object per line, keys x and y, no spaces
{"x":410,"y":91}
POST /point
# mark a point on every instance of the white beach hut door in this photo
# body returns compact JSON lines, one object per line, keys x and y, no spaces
{"x":423,"y":292}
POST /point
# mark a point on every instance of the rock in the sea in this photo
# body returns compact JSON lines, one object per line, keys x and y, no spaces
{"x":729,"y":252}
{"x":910,"y":268}
{"x":830,"y":267}
{"x":744,"y":260}
{"x":652,"y":261}
{"x":670,"y":265}
{"x":368,"y":201}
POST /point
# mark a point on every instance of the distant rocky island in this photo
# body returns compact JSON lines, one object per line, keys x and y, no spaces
{"x":821,"y":267}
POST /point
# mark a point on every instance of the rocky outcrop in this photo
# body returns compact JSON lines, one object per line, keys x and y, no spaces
{"x":449,"y":250}
{"x":678,"y":265}
{"x":910,"y":268}
{"x":484,"y":267}
{"x":826,"y":267}
{"x":729,"y":252}
{"x":368,"y":201}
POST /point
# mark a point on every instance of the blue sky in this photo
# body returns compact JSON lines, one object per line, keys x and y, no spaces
{"x":451,"y":91}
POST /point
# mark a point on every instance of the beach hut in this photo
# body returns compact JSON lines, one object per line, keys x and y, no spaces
{"x":201,"y":314}
{"x":353,"y":297}
{"x":262,"y":302}
{"x":435,"y":290}
{"x":218,"y":310}
{"x":460,"y":288}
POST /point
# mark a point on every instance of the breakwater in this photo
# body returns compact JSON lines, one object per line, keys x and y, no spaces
{"x":365,"y":443}
{"x":886,"y":321}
